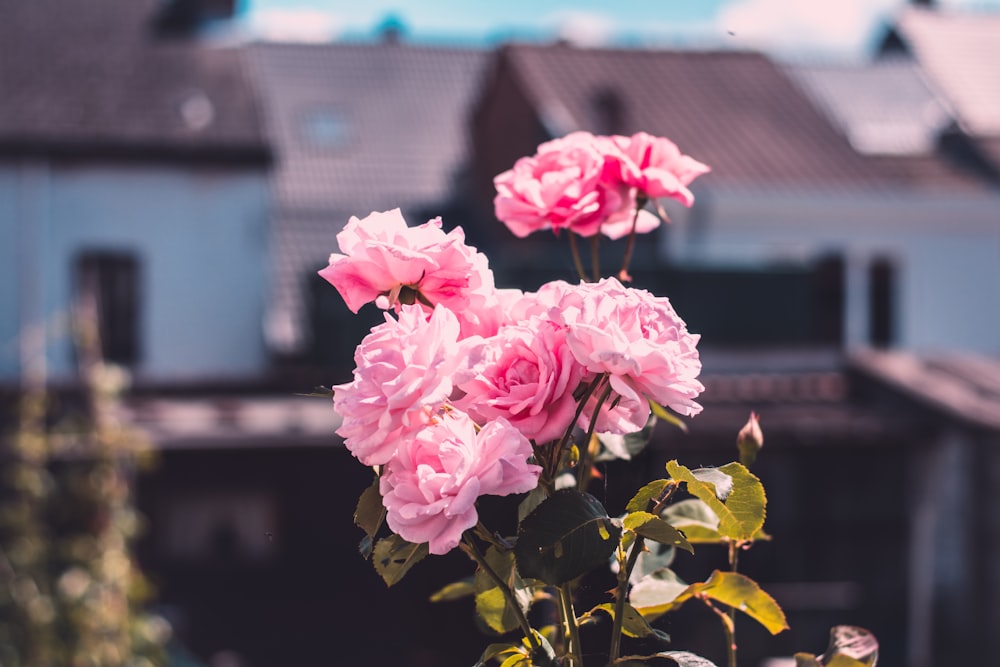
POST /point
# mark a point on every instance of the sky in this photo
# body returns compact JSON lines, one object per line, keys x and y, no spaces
{"x":823,"y":28}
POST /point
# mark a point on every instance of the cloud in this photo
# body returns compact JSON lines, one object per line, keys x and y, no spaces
{"x":294,"y":25}
{"x":582,"y":28}
{"x":842,"y":27}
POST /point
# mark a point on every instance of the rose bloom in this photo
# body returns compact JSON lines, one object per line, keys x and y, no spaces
{"x":429,"y":489}
{"x":562,"y":186}
{"x":656,"y":167}
{"x":391,"y":264}
{"x":641,"y":343}
{"x":527,"y":375}
{"x":404,"y":372}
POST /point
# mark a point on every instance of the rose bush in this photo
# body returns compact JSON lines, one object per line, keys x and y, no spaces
{"x":467,"y":390}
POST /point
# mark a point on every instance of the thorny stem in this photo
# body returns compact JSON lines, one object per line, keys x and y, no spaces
{"x":583,"y":468}
{"x":623,"y":276}
{"x":577,"y":262}
{"x":734,"y":557}
{"x":575,"y":649}
{"x":626,"y":572}
{"x":469,"y":547}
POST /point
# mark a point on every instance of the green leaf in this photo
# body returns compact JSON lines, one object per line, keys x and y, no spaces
{"x":394,"y":557}
{"x":722,"y":482}
{"x":456,"y":590}
{"x":491,"y":604}
{"x":641,"y":501}
{"x":495,"y":651}
{"x":667,"y":416}
{"x":655,"y":593}
{"x":850,"y":646}
{"x":318,"y":391}
{"x":807,"y":660}
{"x":567,"y":535}
{"x":686,"y":659}
{"x":633,"y":623}
{"x":370,"y":513}
{"x":616,"y":446}
{"x":741,"y":515}
{"x":696,"y":519}
{"x":654,"y":528}
{"x":532,"y":500}
{"x":742,"y":593}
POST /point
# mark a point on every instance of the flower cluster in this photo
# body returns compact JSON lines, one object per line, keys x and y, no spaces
{"x":594,"y":184}
{"x":454,"y":395}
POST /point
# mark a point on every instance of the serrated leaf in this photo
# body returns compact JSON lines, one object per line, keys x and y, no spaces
{"x":640,"y":502}
{"x":495,"y":651}
{"x":456,"y":590}
{"x":655,"y":593}
{"x":662,"y":413}
{"x":532,"y":500}
{"x":568,"y":534}
{"x":696,"y":519}
{"x":616,"y":446}
{"x":370,"y":513}
{"x":722,"y":482}
{"x":742,"y":593}
{"x":633,"y":623}
{"x":654,"y":528}
{"x":741,"y":516}
{"x":394,"y":557}
{"x":491,"y":604}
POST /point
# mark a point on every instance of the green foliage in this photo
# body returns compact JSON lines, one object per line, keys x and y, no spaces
{"x":682,"y":658}
{"x":491,"y":604}
{"x":850,"y":646}
{"x":394,"y":556}
{"x":566,"y":536}
{"x":633,"y":623}
{"x":741,"y":511}
{"x":614,"y":446}
{"x":369,"y":516}
{"x":661,"y":412}
{"x":654,"y":528}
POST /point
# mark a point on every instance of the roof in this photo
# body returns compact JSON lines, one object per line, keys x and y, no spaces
{"x":92,"y":78}
{"x":959,"y":51}
{"x":365,"y":126}
{"x":739,"y":112}
{"x":357,"y":128}
{"x":959,"y":385}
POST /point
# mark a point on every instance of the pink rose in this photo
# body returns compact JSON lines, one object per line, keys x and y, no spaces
{"x":657,"y":167}
{"x":641,"y":343}
{"x":404,"y":373}
{"x":562,"y":186}
{"x":430,"y":487}
{"x":391,"y":264}
{"x":527,"y":375}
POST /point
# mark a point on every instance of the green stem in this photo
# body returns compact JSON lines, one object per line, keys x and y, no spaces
{"x":583,"y":470}
{"x":575,"y":649}
{"x":577,"y":262}
{"x":640,"y":203}
{"x":469,"y":547}
{"x":626,"y":572}
{"x":588,"y":392}
{"x":730,"y":630}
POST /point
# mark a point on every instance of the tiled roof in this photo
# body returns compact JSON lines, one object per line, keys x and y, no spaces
{"x":960,"y":52}
{"x":365,"y":126}
{"x":91,"y":77}
{"x":883,"y":108}
{"x":737,"y":111}
{"x":356,"y":128}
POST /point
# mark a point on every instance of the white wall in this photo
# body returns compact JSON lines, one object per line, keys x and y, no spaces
{"x":199,"y":236}
{"x":946,"y":249}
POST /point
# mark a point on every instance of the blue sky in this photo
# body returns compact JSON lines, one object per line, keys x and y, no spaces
{"x":819,"y":27}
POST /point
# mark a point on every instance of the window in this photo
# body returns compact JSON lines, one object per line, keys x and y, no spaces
{"x":108,"y":282}
{"x":325,"y":129}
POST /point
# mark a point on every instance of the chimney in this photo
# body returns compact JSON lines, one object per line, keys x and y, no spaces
{"x":181,"y":18}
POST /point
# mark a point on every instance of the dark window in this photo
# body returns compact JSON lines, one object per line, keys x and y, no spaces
{"x":109,"y":283}
{"x":881,"y":286}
